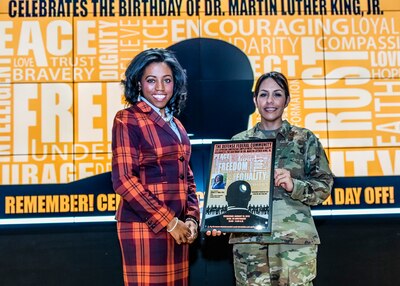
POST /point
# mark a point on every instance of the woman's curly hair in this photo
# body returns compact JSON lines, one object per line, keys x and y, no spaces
{"x":135,"y":70}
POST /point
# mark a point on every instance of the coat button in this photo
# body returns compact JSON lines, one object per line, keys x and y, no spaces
{"x":181,"y":158}
{"x":181,"y":176}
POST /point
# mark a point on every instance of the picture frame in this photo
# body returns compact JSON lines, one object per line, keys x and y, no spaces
{"x":240,"y":185}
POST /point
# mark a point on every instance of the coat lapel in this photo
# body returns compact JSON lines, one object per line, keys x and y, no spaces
{"x":182,"y":131}
{"x":157,"y":119}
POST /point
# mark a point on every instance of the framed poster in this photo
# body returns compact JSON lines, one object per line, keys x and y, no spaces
{"x":239,"y":191}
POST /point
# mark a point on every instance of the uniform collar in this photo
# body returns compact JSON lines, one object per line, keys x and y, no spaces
{"x":283,"y":131}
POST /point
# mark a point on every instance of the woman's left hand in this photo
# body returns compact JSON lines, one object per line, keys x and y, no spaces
{"x":193,"y":231}
{"x":283,"y":179}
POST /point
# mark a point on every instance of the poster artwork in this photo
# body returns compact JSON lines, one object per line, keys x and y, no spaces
{"x":238,"y":196}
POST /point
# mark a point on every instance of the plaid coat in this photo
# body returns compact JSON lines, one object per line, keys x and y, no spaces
{"x":151,"y":173}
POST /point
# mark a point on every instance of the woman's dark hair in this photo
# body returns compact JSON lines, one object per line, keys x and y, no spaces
{"x":135,"y":70}
{"x":220,"y":176}
{"x":279,"y":78}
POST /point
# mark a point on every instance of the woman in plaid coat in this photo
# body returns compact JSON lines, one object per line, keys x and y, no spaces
{"x":158,"y":214}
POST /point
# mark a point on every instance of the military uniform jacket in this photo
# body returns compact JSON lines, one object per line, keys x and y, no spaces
{"x":299,"y":151}
{"x":150,"y":169}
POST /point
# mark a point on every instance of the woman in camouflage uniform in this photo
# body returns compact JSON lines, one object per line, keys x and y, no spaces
{"x":287,"y":255}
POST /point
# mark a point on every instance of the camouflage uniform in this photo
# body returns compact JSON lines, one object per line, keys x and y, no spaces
{"x":286,"y":256}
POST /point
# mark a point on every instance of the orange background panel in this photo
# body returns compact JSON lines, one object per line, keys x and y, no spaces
{"x":347,"y":162}
{"x":60,"y":76}
{"x":50,"y":168}
{"x":363,"y":113}
{"x":367,"y":45}
{"x":40,"y":49}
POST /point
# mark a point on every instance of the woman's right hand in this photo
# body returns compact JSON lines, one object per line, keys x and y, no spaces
{"x":214,"y":232}
{"x":180,"y":231}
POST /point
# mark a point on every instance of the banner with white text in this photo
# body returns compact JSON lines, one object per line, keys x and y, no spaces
{"x":61,"y":63}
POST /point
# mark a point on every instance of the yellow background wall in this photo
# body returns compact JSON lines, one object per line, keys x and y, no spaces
{"x":61,"y":64}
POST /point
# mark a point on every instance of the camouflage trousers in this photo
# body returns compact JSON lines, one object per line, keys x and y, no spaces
{"x":274,"y":264}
